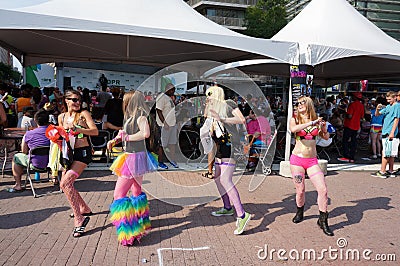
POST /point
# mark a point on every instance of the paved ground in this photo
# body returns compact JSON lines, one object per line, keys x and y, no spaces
{"x":364,"y":216}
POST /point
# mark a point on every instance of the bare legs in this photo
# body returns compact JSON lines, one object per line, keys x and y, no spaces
{"x":18,"y":171}
{"x":376,"y":143}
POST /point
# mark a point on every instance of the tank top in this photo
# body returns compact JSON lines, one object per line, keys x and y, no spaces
{"x":131,"y":127}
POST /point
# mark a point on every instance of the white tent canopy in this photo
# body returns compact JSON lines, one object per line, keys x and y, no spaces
{"x":157,"y":32}
{"x":341,"y":44}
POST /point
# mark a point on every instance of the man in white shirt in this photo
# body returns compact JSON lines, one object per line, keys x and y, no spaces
{"x":166,"y":120}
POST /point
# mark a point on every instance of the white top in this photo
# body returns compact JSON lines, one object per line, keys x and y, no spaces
{"x":166,"y":105}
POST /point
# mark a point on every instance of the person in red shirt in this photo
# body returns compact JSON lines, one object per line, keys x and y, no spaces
{"x":353,"y":116}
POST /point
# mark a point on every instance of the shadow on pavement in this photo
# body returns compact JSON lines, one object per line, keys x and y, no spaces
{"x":91,"y":185}
{"x":21,"y":219}
{"x":354,"y":214}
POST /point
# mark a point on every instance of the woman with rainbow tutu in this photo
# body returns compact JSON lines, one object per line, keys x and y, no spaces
{"x":130,"y":215}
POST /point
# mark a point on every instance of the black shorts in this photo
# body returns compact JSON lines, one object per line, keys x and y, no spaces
{"x":83,"y":154}
{"x":223,"y":150}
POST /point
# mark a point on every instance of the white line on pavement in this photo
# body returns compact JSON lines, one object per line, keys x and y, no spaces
{"x":160,"y":259}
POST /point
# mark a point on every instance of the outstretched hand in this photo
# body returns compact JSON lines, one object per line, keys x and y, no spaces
{"x":110,"y":144}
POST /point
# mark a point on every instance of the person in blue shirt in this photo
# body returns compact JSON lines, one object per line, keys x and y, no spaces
{"x":389,"y":131}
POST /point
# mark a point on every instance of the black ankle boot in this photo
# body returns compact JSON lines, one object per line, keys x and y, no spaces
{"x":323,"y":223}
{"x":299,"y":215}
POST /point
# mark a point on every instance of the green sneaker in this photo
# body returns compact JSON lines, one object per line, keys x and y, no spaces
{"x":222,"y":212}
{"x":241,"y":223}
{"x":381,"y":175}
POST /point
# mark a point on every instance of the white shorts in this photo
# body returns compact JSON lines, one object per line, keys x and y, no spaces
{"x":169,"y":136}
{"x":390,"y":148}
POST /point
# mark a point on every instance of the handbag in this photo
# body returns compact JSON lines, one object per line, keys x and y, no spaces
{"x":205,"y":136}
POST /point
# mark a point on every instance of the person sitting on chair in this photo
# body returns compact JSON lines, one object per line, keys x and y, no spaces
{"x":259,"y":132}
{"x":32,"y":139}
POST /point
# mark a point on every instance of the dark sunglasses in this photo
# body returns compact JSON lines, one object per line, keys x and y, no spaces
{"x":300,"y":103}
{"x":74,"y":99}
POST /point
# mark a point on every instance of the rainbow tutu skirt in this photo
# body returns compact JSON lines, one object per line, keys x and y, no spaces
{"x":130,"y":165}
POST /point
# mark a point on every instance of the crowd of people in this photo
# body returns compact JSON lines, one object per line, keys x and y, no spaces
{"x":364,"y":121}
{"x":147,"y":124}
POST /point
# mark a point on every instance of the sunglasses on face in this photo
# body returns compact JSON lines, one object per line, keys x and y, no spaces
{"x":300,"y":103}
{"x":74,"y":99}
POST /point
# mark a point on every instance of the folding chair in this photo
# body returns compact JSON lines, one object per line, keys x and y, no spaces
{"x":323,"y":146}
{"x":117,"y":149}
{"x":263,"y":153}
{"x":38,"y":151}
{"x":99,"y":143}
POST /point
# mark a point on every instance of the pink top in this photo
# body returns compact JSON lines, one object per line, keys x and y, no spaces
{"x":260,"y":125}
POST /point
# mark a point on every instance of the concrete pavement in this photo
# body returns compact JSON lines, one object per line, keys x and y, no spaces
{"x":364,"y":216}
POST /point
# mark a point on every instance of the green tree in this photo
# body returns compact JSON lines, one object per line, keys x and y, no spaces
{"x":9,"y":74}
{"x":265,"y":19}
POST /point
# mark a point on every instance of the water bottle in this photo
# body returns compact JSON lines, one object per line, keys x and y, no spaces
{"x":37,"y":176}
{"x":26,"y":126}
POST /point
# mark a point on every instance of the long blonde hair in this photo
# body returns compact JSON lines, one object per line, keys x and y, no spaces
{"x":216,"y":98}
{"x":310,"y":111}
{"x":134,"y":105}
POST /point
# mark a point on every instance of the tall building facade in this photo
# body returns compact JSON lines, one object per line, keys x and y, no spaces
{"x":228,"y":13}
{"x":5,"y":57}
{"x":384,"y":13}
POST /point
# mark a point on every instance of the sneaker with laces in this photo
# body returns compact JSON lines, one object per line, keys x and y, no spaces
{"x":241,"y":223}
{"x":162,"y":165}
{"x":174,"y":164}
{"x":222,"y":212}
{"x":343,"y":159}
{"x":380,"y":174}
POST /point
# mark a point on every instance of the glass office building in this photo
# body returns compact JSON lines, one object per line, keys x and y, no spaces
{"x":228,"y":13}
{"x":384,"y":13}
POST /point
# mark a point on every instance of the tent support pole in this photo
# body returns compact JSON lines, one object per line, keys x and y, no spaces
{"x":289,"y":116}
{"x":127,"y":47}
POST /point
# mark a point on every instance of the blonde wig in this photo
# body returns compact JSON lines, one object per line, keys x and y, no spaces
{"x":216,"y":101}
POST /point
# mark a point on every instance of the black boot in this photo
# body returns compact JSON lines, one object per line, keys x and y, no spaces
{"x":299,"y":215}
{"x":323,"y":223}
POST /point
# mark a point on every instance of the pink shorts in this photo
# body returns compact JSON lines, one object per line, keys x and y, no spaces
{"x":303,"y":162}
